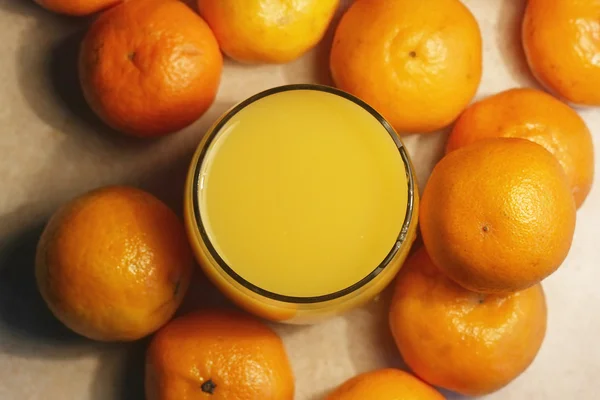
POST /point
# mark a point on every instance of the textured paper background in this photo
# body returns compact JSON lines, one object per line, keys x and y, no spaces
{"x":53,"y":148}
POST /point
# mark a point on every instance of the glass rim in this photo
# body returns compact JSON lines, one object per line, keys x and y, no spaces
{"x":199,"y":161}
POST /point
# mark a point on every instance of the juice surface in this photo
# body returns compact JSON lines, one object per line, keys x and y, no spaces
{"x":303,"y":193}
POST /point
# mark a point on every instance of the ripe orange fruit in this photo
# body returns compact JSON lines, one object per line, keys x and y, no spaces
{"x":417,"y":62}
{"x":498,"y":215}
{"x":76,"y":8}
{"x":114,"y":264}
{"x":467,"y":342}
{"x":537,"y":116}
{"x":221,"y":355}
{"x":267,"y":31}
{"x":385,"y":384}
{"x":150,"y":67}
{"x":561,"y":39}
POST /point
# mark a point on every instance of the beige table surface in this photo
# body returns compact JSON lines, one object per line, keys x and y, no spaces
{"x":52,"y":148}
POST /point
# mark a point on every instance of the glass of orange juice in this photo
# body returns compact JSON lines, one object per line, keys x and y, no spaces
{"x":301,"y":203}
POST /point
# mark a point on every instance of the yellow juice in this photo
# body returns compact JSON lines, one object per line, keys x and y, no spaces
{"x":298,"y":200}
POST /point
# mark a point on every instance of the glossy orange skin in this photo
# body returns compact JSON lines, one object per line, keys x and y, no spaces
{"x":467,"y":342}
{"x":218,"y":355}
{"x":537,"y":116}
{"x":498,"y":215}
{"x":419,"y":63}
{"x":385,"y":384}
{"x":267,"y":31}
{"x":150,"y":67}
{"x":561,"y":39}
{"x":114,"y":264}
{"x":76,"y":8}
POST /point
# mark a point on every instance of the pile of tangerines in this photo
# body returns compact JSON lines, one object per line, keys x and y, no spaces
{"x":497,"y":214}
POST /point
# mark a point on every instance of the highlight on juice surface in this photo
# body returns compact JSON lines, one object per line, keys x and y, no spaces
{"x":301,"y":203}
